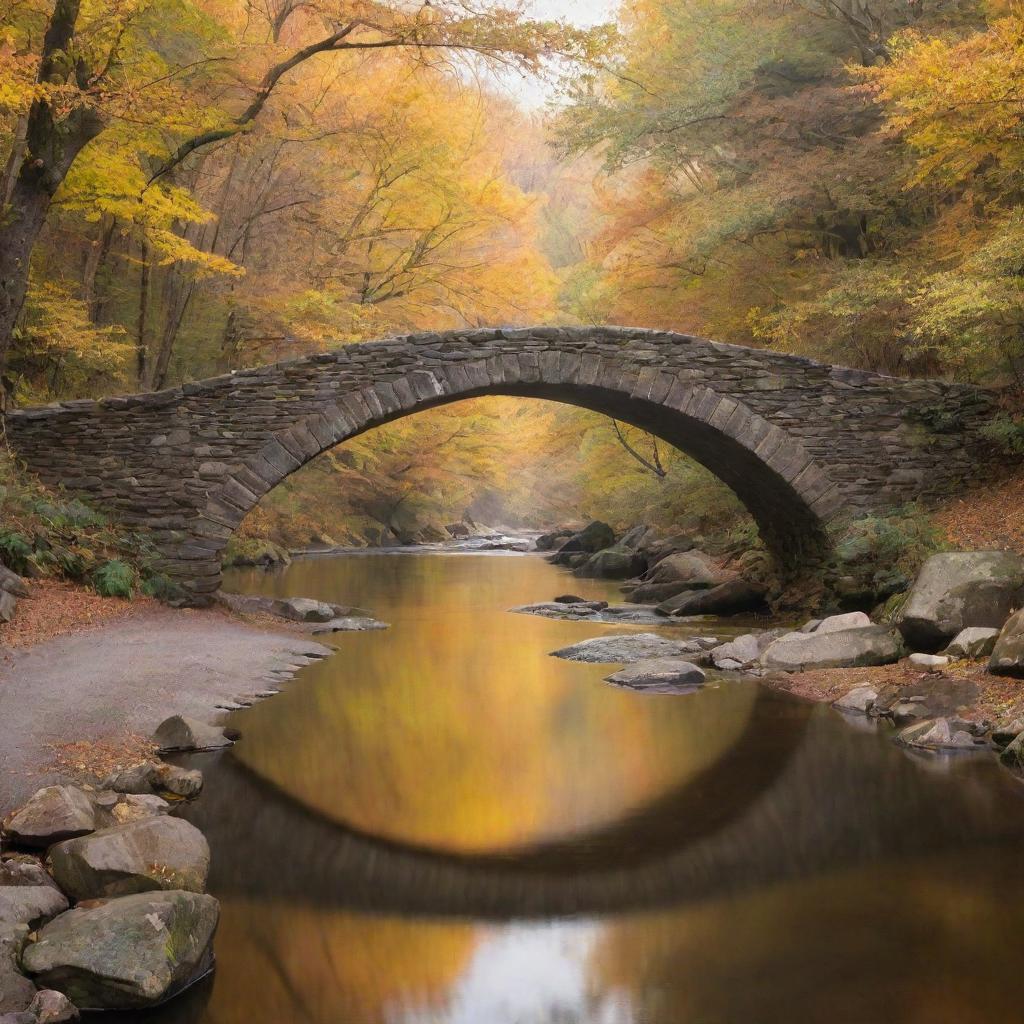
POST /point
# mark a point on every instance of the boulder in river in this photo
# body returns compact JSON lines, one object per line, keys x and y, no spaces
{"x":580,"y":546}
{"x":303,"y":609}
{"x":692,"y":570}
{"x":973,"y":642}
{"x":958,"y":589}
{"x":50,"y":815}
{"x":1008,"y":653}
{"x":937,"y":734}
{"x":155,"y":853}
{"x":615,"y":563}
{"x":181,"y":733}
{"x":575,"y":611}
{"x":742,"y":650}
{"x":847,"y":648}
{"x":624,"y":650}
{"x":729,"y":598}
{"x":554,"y":539}
{"x":126,"y":953}
{"x":660,"y":675}
{"x":349,"y":624}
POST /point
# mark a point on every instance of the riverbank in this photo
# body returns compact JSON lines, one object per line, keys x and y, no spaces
{"x":971,"y":693}
{"x":85,"y":702}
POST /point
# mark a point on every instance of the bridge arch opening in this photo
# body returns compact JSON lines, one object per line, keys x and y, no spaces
{"x":788,"y":494}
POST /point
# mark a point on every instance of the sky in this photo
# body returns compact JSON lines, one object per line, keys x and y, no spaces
{"x":532,"y":93}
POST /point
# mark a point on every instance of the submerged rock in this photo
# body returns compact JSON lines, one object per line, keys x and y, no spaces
{"x":847,"y":648}
{"x":936,"y":734}
{"x":126,"y":953}
{"x":575,"y":610}
{"x":623,"y":649}
{"x":50,"y":815}
{"x":660,"y":675}
{"x":350,"y":624}
{"x":955,"y":590}
{"x":156,"y":853}
{"x":180,"y":733}
{"x":1008,"y":652}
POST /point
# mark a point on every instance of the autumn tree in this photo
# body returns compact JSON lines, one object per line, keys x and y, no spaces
{"x":98,"y":68}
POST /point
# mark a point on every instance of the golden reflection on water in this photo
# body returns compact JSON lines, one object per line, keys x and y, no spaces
{"x":919,"y":944}
{"x":455,"y":730}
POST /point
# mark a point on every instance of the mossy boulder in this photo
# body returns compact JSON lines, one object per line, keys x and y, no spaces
{"x":126,"y":953}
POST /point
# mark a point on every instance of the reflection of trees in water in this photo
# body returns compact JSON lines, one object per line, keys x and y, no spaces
{"x":795,"y":798}
{"x":322,"y":968}
{"x":924,"y":941}
{"x":457,"y":731}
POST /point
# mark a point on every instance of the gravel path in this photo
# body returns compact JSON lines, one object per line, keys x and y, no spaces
{"x":124,"y":678}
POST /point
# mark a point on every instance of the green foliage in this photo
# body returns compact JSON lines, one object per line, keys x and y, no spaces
{"x":163,"y":588}
{"x":115,"y":578}
{"x":15,"y":550}
{"x":936,"y":418}
{"x":1007,"y":433}
{"x":902,"y":540}
{"x":48,"y":534}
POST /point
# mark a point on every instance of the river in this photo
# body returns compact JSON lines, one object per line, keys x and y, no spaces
{"x":441,"y":824}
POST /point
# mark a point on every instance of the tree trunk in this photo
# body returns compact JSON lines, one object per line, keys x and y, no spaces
{"x":94,"y":259}
{"x":140,"y":333}
{"x":50,"y":148}
{"x":179,"y":295}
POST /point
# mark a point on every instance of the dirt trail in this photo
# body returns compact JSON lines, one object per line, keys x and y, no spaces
{"x":124,"y":677}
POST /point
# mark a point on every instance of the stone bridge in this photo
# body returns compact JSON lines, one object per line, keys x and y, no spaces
{"x":801,"y":443}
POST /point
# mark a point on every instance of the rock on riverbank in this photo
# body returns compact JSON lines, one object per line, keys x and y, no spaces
{"x":143,"y":927}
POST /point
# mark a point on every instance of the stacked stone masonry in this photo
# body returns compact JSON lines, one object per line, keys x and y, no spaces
{"x":801,"y":443}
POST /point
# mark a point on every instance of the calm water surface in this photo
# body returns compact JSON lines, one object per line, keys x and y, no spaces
{"x":441,"y":824}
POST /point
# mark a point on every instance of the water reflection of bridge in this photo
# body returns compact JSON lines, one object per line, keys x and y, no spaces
{"x":795,"y":797}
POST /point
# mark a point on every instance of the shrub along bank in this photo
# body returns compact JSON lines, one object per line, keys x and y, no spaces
{"x":46,"y":534}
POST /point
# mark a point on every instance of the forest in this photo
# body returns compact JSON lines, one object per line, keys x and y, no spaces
{"x":196,"y":186}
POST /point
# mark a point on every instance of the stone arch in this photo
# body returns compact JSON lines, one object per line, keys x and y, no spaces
{"x":788,"y":493}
